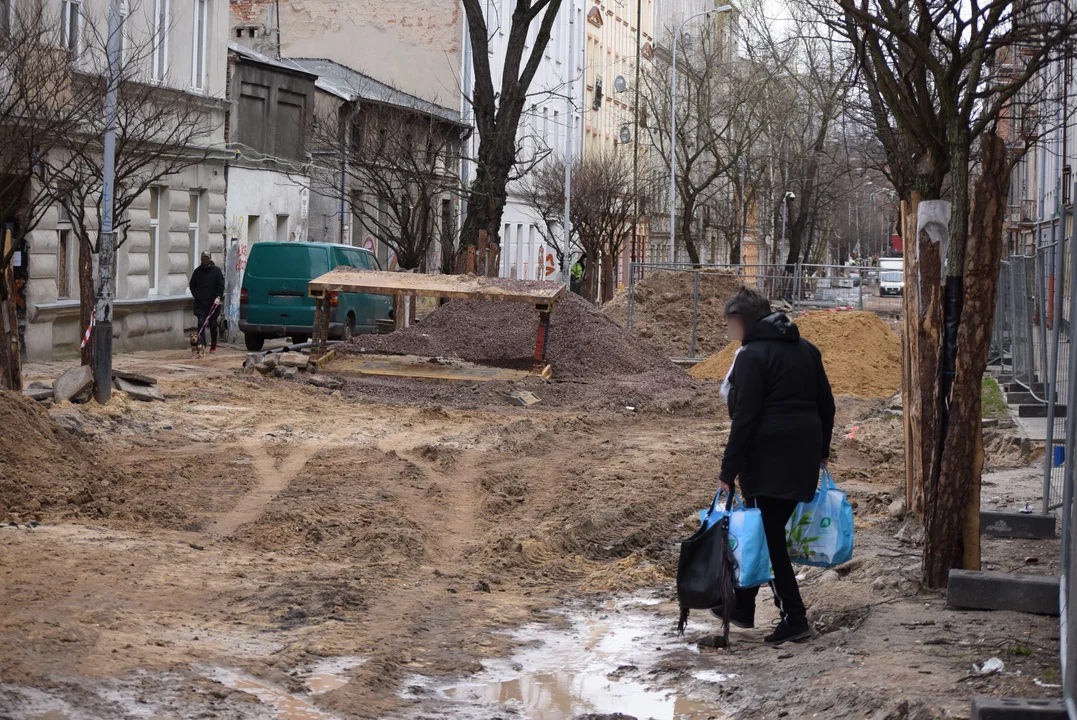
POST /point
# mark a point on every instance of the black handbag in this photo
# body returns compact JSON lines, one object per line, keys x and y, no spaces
{"x":706,"y":571}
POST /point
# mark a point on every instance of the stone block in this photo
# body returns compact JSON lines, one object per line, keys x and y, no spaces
{"x":984,"y":708}
{"x":289,"y":373}
{"x":146,"y":393}
{"x":983,"y":590}
{"x":72,"y":383}
{"x":1039,"y":410}
{"x":38,"y":393}
{"x":1030,"y":526}
{"x":292,"y":359}
{"x":252,"y":359}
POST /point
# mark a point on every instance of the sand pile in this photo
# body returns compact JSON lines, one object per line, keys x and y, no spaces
{"x":861,"y":354}
{"x":662,"y":311}
{"x":583,"y":343}
{"x":44,"y":469}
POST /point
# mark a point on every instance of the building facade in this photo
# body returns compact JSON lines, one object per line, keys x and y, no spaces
{"x":168,"y":225}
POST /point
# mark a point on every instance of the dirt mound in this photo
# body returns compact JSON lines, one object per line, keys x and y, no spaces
{"x":583,"y":342}
{"x":46,"y":470}
{"x":861,"y":354}
{"x":662,"y":311}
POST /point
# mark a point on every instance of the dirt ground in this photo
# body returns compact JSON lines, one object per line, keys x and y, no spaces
{"x":272,"y":549}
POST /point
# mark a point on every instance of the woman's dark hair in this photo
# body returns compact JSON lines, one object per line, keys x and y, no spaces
{"x":750,"y":304}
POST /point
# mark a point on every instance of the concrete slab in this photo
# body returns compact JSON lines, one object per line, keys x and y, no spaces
{"x":72,"y":383}
{"x":1026,"y":398}
{"x":134,"y":377}
{"x":983,"y":590}
{"x":1031,"y":526}
{"x":1011,"y":709}
{"x":292,"y":359}
{"x":1018,"y":387}
{"x":146,"y":393}
{"x":1031,"y":428}
{"x":38,"y":393}
{"x":1039,"y":410}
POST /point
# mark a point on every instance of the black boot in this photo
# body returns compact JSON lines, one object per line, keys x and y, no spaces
{"x":791,"y":630}
{"x":744,"y":618}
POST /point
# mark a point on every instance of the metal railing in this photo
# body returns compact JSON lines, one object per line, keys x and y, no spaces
{"x":806,"y":287}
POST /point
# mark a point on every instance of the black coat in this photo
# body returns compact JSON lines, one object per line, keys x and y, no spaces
{"x":783,"y":413}
{"x":207,"y":284}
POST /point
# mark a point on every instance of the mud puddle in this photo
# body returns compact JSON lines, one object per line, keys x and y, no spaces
{"x":625,"y":658}
{"x":322,"y":677}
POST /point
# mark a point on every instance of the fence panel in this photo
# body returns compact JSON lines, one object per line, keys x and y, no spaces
{"x":688,"y":293}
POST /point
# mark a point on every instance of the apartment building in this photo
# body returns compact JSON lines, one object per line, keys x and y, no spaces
{"x":179,"y":47}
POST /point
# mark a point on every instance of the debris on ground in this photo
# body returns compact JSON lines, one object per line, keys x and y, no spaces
{"x":137,"y":390}
{"x":861,"y":354}
{"x":73,"y":383}
{"x":662,"y":310}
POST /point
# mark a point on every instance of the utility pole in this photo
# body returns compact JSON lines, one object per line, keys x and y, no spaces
{"x":102,"y":332}
{"x":570,"y":119}
{"x":635,"y":146}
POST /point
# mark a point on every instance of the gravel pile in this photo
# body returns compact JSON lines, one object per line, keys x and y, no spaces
{"x":583,"y":343}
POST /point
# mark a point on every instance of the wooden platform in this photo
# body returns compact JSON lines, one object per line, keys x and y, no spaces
{"x":423,"y":368}
{"x":466,"y":287}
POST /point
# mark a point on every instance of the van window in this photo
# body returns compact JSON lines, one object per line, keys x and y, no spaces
{"x":287,"y":261}
{"x":361,"y":260}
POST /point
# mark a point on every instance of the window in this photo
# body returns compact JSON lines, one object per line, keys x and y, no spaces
{"x":194,"y":205}
{"x":253,"y":232}
{"x":160,"y":39}
{"x":5,"y":18}
{"x":546,"y":127}
{"x":282,"y":228}
{"x":124,"y":12}
{"x":198,"y":46}
{"x":155,"y":239}
{"x":63,"y":277}
{"x":71,"y":26}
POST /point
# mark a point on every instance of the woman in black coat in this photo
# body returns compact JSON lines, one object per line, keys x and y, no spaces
{"x":783,"y":416}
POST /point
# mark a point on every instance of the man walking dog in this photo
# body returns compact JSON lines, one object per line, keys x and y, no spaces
{"x":207,"y":287}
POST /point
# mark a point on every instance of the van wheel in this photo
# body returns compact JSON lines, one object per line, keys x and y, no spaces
{"x":349,"y":328}
{"x":253,"y":342}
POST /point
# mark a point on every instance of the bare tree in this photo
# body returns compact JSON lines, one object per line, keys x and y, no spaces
{"x":939,"y":78}
{"x":602,"y":211}
{"x":719,"y":118}
{"x":498,"y":106}
{"x":42,"y":109}
{"x":401,"y":166}
{"x":160,"y":132}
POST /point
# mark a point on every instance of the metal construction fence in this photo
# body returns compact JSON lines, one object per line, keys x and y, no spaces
{"x":1031,"y":341}
{"x":807,"y":287}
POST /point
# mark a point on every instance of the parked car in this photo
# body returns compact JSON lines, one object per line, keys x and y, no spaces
{"x":274,"y":301}
{"x":892,"y":283}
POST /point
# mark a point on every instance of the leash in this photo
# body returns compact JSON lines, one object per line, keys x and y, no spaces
{"x":212,"y":312}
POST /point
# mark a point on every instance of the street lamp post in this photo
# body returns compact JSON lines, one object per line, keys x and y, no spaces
{"x":673,"y":132}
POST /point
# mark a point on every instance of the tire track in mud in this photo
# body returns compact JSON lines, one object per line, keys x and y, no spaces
{"x":273,"y":475}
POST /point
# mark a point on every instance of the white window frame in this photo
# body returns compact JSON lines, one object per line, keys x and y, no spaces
{"x":153,"y":252}
{"x":161,"y":18}
{"x":194,"y":234}
{"x":74,"y":46}
{"x":199,"y":59}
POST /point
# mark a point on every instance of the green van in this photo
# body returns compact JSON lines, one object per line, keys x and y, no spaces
{"x":274,"y":301}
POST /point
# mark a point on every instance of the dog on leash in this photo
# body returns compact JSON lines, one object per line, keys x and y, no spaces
{"x":198,"y":346}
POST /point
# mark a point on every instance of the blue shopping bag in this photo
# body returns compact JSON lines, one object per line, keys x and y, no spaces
{"x":746,"y":537}
{"x":820,"y":533}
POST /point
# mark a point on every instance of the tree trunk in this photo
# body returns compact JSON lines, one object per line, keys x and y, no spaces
{"x":925,"y":315}
{"x":687,"y":210}
{"x":10,"y":358}
{"x":486,"y":200}
{"x":952,"y":499}
{"x":87,"y":298}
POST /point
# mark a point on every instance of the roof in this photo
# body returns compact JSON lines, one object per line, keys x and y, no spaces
{"x":349,"y":84}
{"x":247,"y":54}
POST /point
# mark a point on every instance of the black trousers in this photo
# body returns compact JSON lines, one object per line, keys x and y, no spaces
{"x":208,"y":318}
{"x":776,"y":514}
